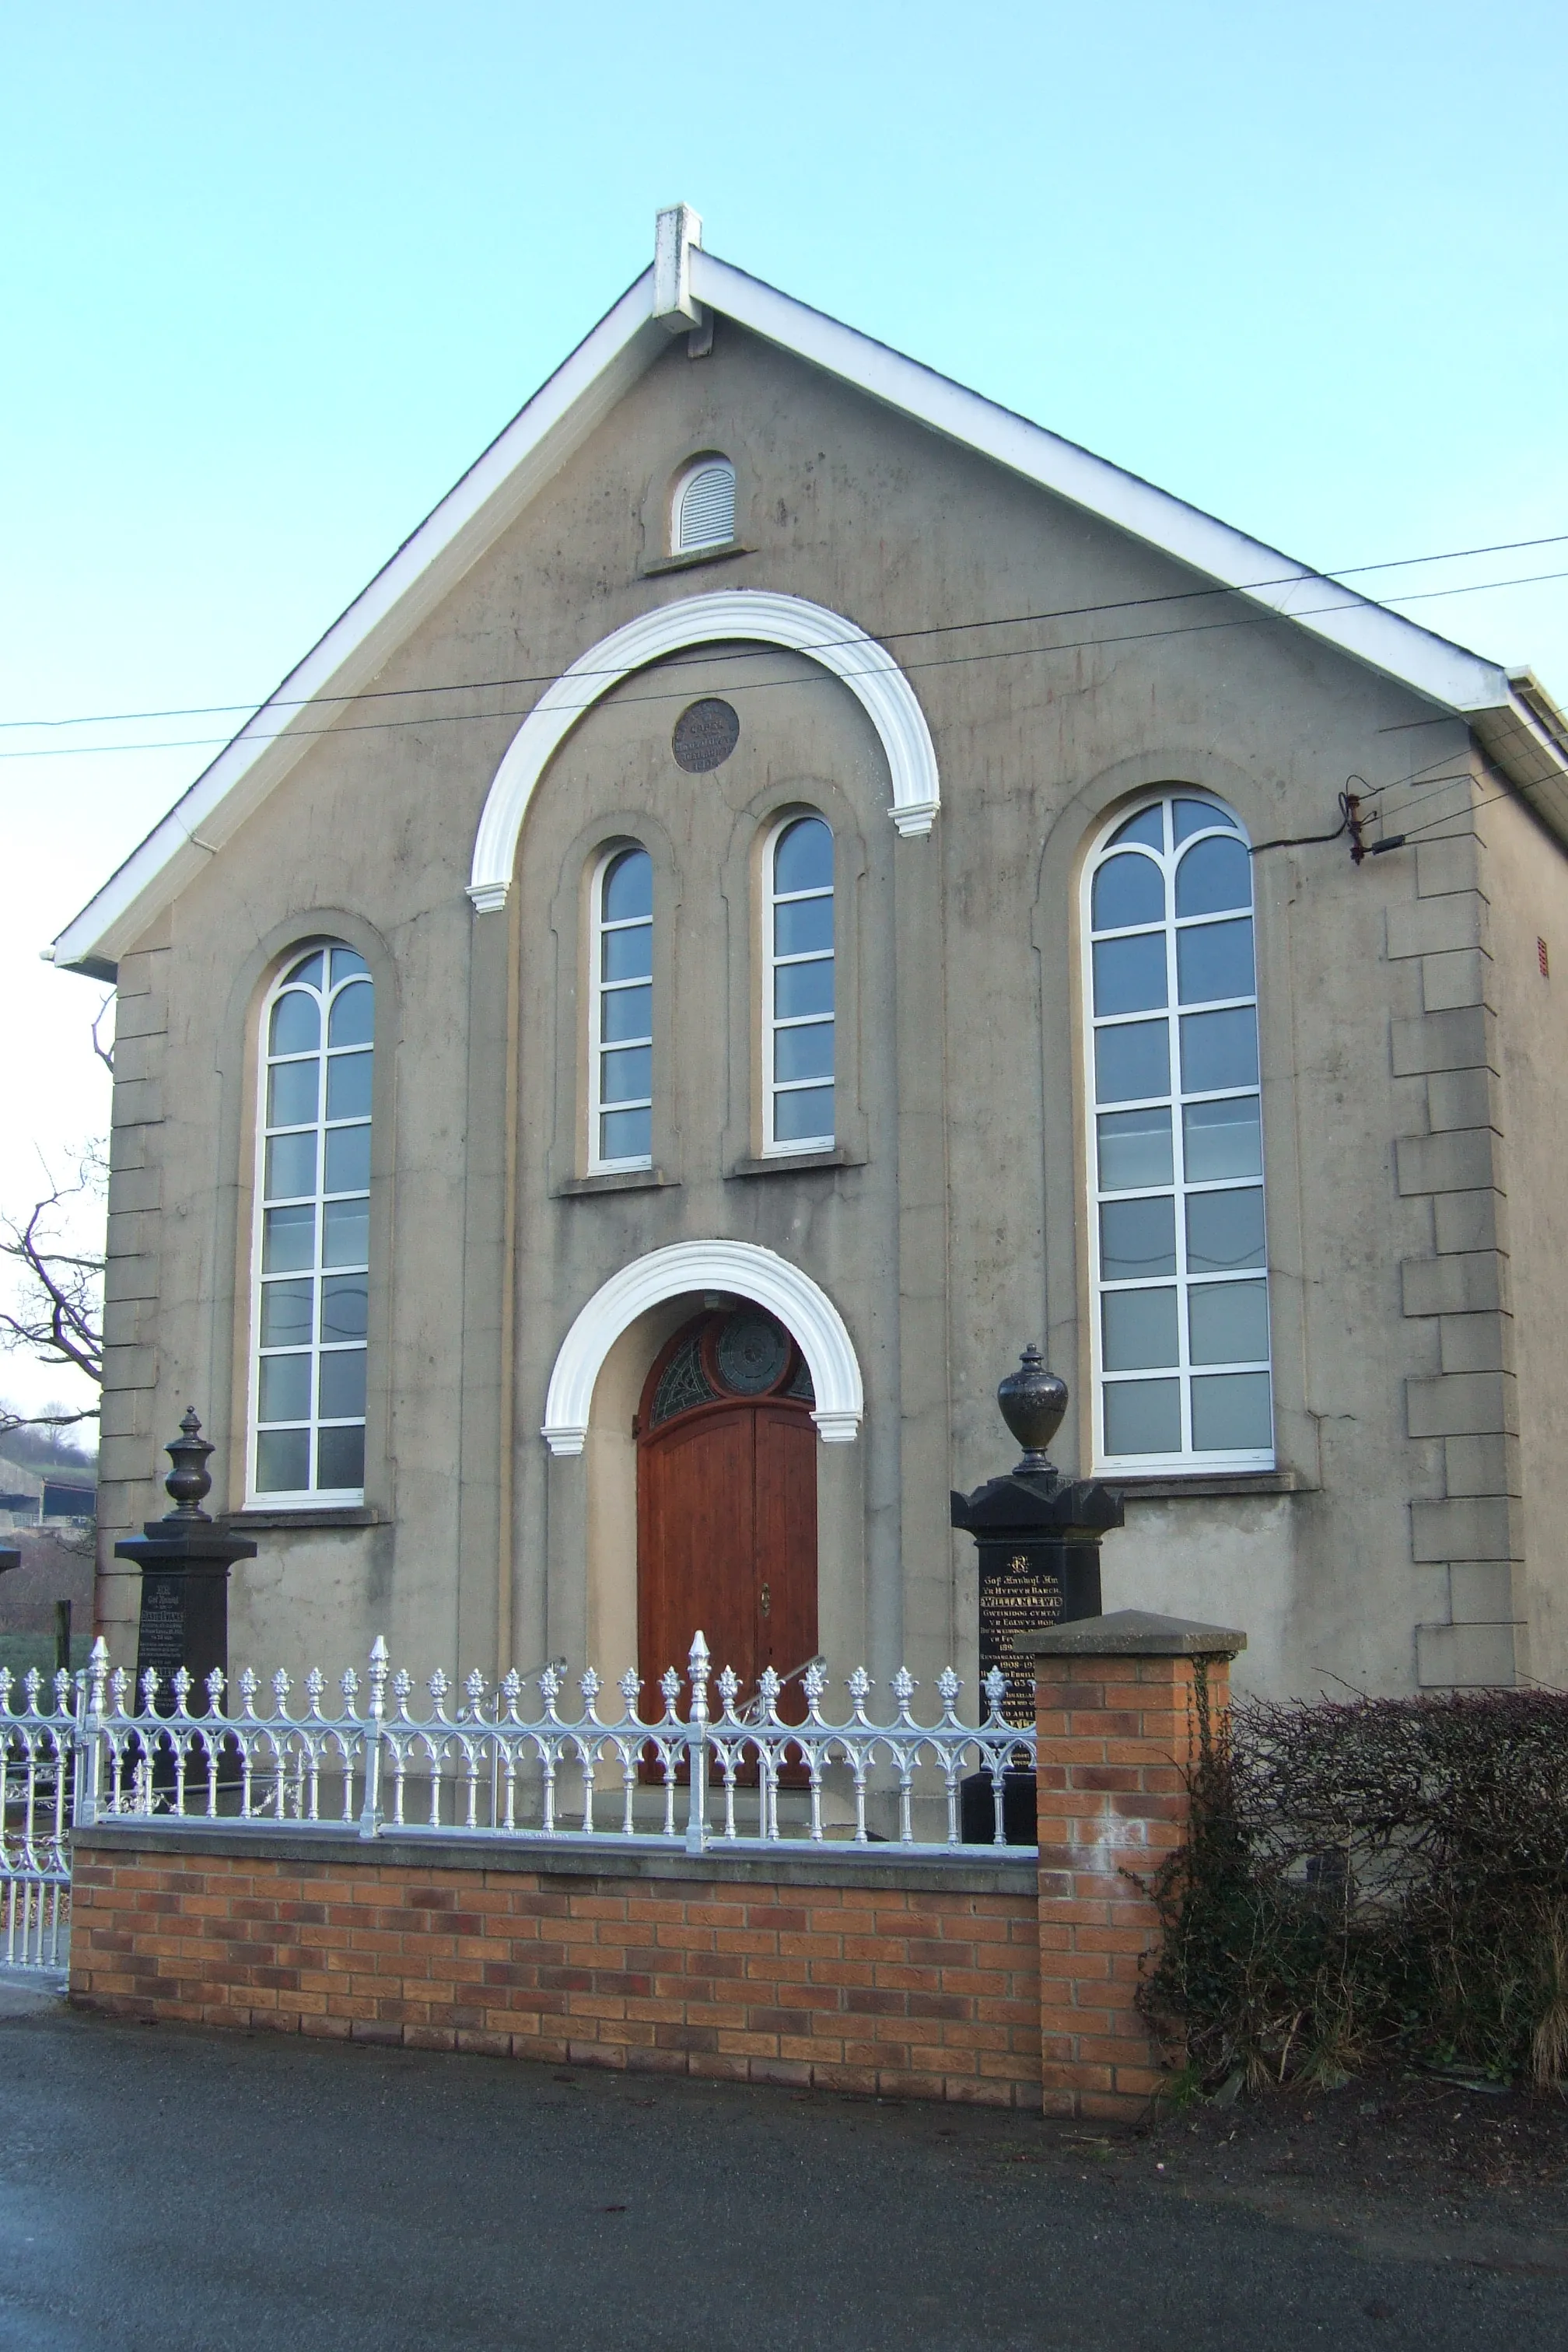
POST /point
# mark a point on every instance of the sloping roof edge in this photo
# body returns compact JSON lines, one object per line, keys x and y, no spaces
{"x":1507,"y":720}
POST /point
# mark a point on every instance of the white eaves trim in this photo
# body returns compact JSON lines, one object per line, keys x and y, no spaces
{"x":560,"y":416}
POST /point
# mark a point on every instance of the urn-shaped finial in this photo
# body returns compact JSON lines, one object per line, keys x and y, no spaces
{"x":188,"y":1481}
{"x":1033,"y":1403}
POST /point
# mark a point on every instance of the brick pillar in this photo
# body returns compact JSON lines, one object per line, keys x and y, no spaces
{"x":1118,"y":1728}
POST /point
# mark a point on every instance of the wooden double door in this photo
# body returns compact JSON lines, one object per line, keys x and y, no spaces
{"x":727,"y":1504}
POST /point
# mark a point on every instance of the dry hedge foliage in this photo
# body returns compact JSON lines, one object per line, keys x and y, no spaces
{"x":1369,"y":1880}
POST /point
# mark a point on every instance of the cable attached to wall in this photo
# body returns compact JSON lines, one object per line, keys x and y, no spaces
{"x":1351,"y":822}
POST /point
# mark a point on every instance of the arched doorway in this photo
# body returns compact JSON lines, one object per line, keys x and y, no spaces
{"x":727,"y":1499}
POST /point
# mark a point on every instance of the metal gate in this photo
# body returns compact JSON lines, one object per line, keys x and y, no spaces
{"x":37,"y":1742}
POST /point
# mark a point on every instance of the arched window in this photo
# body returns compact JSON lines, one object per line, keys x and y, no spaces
{"x":797,"y":1047}
{"x":313,"y":1231}
{"x":620,"y":1046}
{"x":704,"y":509}
{"x":1181,"y":1286}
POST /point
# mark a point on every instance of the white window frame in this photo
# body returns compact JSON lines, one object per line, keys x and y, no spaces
{"x":598,"y":989}
{"x":773,"y":1148}
{"x":1187,"y":1459}
{"x":679,"y":545}
{"x":313,"y":1497}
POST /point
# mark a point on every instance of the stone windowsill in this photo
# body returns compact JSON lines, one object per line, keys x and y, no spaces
{"x":795,"y":1163}
{"x":355,"y":1515}
{"x":1173,"y":1487}
{"x":613,"y":1179}
{"x":694,"y":556}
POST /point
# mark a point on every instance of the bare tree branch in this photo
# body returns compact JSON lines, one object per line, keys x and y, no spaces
{"x":57,"y":1317}
{"x":105,"y":1052}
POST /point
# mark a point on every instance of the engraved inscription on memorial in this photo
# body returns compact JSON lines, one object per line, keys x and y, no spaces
{"x":705,"y":734}
{"x":160,"y":1636}
{"x":1018,"y":1593}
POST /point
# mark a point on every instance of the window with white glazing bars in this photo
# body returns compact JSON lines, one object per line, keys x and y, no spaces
{"x":799,"y":1024}
{"x":313,"y":1231}
{"x":1178,"y":1253}
{"x":621,"y":1047}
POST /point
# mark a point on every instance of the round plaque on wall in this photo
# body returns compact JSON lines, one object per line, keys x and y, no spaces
{"x":705,"y":734}
{"x":751,"y":1353}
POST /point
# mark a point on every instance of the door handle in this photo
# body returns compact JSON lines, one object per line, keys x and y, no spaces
{"x":767,"y":1600}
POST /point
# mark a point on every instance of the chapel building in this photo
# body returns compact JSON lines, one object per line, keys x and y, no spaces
{"x":791,"y":884}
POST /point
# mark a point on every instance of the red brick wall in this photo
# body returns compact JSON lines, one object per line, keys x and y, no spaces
{"x":900,"y":1986}
{"x":1117,"y":1736}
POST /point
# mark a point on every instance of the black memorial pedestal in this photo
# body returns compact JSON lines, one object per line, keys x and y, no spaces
{"x":184,"y":1561}
{"x":1038,"y":1538}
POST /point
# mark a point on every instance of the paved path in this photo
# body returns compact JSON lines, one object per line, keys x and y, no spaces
{"x":164,"y":2190}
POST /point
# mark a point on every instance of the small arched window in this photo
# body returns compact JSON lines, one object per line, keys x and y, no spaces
{"x":704,"y":509}
{"x":313,"y":1231}
{"x":798,"y":1022}
{"x":1178,"y":1253}
{"x":620,"y":1046}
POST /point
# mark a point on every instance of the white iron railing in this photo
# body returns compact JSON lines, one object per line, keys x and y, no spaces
{"x":713,"y":1771}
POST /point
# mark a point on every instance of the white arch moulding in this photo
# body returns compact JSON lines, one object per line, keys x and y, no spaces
{"x":757,"y":615}
{"x":752,"y":1273}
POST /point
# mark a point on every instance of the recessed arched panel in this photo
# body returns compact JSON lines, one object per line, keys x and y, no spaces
{"x":757,"y":615}
{"x":801,"y":1306}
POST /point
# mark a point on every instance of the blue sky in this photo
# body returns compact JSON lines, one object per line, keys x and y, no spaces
{"x":273,"y":277}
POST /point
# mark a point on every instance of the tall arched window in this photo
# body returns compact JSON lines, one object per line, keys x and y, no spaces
{"x":313,"y":1231}
{"x":704,"y":507}
{"x":797,"y":1048}
{"x":620,"y":1048}
{"x":1181,"y":1287}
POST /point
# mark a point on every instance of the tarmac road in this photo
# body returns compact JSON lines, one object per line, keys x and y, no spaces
{"x":171,"y":2190}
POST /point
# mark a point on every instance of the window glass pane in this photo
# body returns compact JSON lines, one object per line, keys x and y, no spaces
{"x":283,"y":1462}
{"x":802,"y":988}
{"x":1137,"y":1238}
{"x":1188,"y":817}
{"x":348,"y":1086}
{"x":1129,"y":974}
{"x":803,"y":1052}
{"x":1224,"y":1230}
{"x":625,"y":1013}
{"x":1128,"y":890}
{"x":802,"y":927}
{"x":625,"y":1135}
{"x":352,"y":1017}
{"x":309,"y":970}
{"x":1140,"y":1329}
{"x":290,"y":1166}
{"x":627,"y":1074}
{"x":285,"y":1390}
{"x":1143,"y":1417}
{"x":348,"y":1159}
{"x":627,"y":955}
{"x":288,"y":1239}
{"x":292,"y":1092}
{"x":1230,"y":1413}
{"x":1132,"y":1061}
{"x":1219,"y":1049}
{"x":1212,"y":877}
{"x":286,"y":1313}
{"x":345,"y":1304}
{"x":339,"y":1458}
{"x":1213,"y":959}
{"x":346,"y":1238}
{"x":1134,"y":1150}
{"x":803,"y":859}
{"x":1148,"y":825}
{"x":1222,"y":1139}
{"x":1227,"y":1323}
{"x":628,"y":888}
{"x":342,"y":1384}
{"x":296,"y":1023}
{"x":346,"y":963}
{"x":804,"y":1116}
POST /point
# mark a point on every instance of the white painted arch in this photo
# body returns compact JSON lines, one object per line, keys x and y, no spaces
{"x":752,"y":1273}
{"x":758,"y":614}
